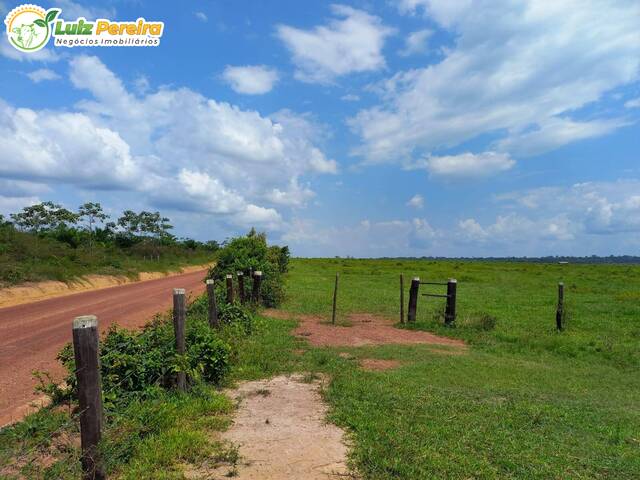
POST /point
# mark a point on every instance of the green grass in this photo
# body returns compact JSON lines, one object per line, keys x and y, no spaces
{"x":525,"y":402}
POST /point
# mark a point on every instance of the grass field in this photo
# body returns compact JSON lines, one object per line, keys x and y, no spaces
{"x":523,"y":402}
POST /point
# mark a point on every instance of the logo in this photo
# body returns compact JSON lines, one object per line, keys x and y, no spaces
{"x":30,"y":27}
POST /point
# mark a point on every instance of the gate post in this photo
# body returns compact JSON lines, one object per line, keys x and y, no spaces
{"x":413,"y":300}
{"x":229,"y":279}
{"x":241,"y":286}
{"x":450,"y":311}
{"x":560,"y":309}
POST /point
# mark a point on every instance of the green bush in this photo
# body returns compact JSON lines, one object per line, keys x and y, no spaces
{"x":249,"y":254}
{"x":137,"y":365}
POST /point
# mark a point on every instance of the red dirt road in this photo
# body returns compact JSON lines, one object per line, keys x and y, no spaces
{"x":32,"y":334}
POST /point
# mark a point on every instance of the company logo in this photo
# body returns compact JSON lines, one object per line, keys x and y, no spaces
{"x":30,"y":27}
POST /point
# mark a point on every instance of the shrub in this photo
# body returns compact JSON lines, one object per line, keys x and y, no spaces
{"x":251,"y":253}
{"x":137,"y":365}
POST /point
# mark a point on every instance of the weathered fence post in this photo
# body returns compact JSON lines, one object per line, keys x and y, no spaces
{"x":241,"y":292}
{"x":213,"y":306}
{"x":413,"y":300}
{"x":179,"y":316}
{"x":401,"y":298}
{"x":450,"y":310}
{"x":335,"y":299}
{"x":257,"y":282}
{"x":229,"y":288}
{"x":560,"y":308}
{"x":86,"y":352}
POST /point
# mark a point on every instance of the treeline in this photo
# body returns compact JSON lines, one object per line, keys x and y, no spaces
{"x":90,"y":224}
{"x":49,"y":242}
{"x":590,"y":259}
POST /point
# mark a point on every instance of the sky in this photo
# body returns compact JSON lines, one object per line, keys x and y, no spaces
{"x":363,"y":128}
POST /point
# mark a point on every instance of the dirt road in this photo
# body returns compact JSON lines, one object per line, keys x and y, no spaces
{"x":32,"y":334}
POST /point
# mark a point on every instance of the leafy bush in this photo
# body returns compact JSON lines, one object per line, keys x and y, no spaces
{"x":136,"y":365}
{"x":249,"y":254}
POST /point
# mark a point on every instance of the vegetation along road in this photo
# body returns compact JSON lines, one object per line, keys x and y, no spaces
{"x":32,"y":334}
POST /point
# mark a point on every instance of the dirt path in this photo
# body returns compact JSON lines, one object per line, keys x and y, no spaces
{"x":281,"y":432}
{"x":32,"y":334}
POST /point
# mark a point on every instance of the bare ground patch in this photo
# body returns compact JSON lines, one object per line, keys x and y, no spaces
{"x":280,"y":432}
{"x":365,"y":329}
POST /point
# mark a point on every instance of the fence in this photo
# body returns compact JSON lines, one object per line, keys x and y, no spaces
{"x":87,"y":360}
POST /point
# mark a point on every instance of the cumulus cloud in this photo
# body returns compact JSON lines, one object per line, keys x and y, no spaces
{"x":633,"y":103}
{"x":71,"y":10}
{"x":46,"y":55}
{"x":352,"y":42}
{"x":175,"y":147}
{"x":417,"y":201}
{"x":416,"y":42}
{"x":466,"y":165}
{"x":201,"y":16}
{"x":250,"y":79}
{"x":513,"y":67}
{"x":42,"y":74}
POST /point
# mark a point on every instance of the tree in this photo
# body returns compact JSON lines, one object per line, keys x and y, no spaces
{"x":92,"y":213}
{"x":129,"y":222}
{"x":43,"y":216}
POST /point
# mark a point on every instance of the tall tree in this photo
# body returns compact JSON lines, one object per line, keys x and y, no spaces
{"x":129,"y":222}
{"x":91,"y":213}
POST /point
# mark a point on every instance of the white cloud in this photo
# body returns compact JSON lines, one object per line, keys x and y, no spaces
{"x":513,"y":67}
{"x":417,"y":201}
{"x":352,"y":42}
{"x":633,"y":103}
{"x":42,"y":74}
{"x":350,"y":97}
{"x":201,"y":16}
{"x":416,"y":42}
{"x":250,"y":79}
{"x":174,"y":147}
{"x":466,"y":165}
{"x":556,"y":132}
{"x":45,"y":55}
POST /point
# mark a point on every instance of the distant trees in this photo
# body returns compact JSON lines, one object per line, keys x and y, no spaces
{"x":89,"y":226}
{"x":43,"y":216}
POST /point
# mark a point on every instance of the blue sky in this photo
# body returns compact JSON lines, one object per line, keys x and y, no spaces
{"x":409,"y":127}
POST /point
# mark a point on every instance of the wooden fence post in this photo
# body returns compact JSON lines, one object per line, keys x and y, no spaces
{"x":257,"y":282}
{"x":230,"y":288}
{"x":401,"y":298}
{"x":560,"y":308}
{"x":413,"y":300}
{"x":213,"y":306}
{"x":179,"y":314}
{"x":450,"y":310}
{"x":241,"y":292}
{"x":335,"y":299}
{"x":86,"y":353}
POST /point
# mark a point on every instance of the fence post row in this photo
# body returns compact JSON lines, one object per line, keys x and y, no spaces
{"x":241,"y":292}
{"x":213,"y":306}
{"x":401,"y":298}
{"x":450,"y":310}
{"x":86,"y":353}
{"x":335,"y":299}
{"x":257,"y":282}
{"x":413,"y":300}
{"x":179,"y":315}
{"x":230,"y":298}
{"x":560,"y":308}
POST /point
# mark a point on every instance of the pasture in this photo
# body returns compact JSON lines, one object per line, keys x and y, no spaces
{"x":524,"y":401}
